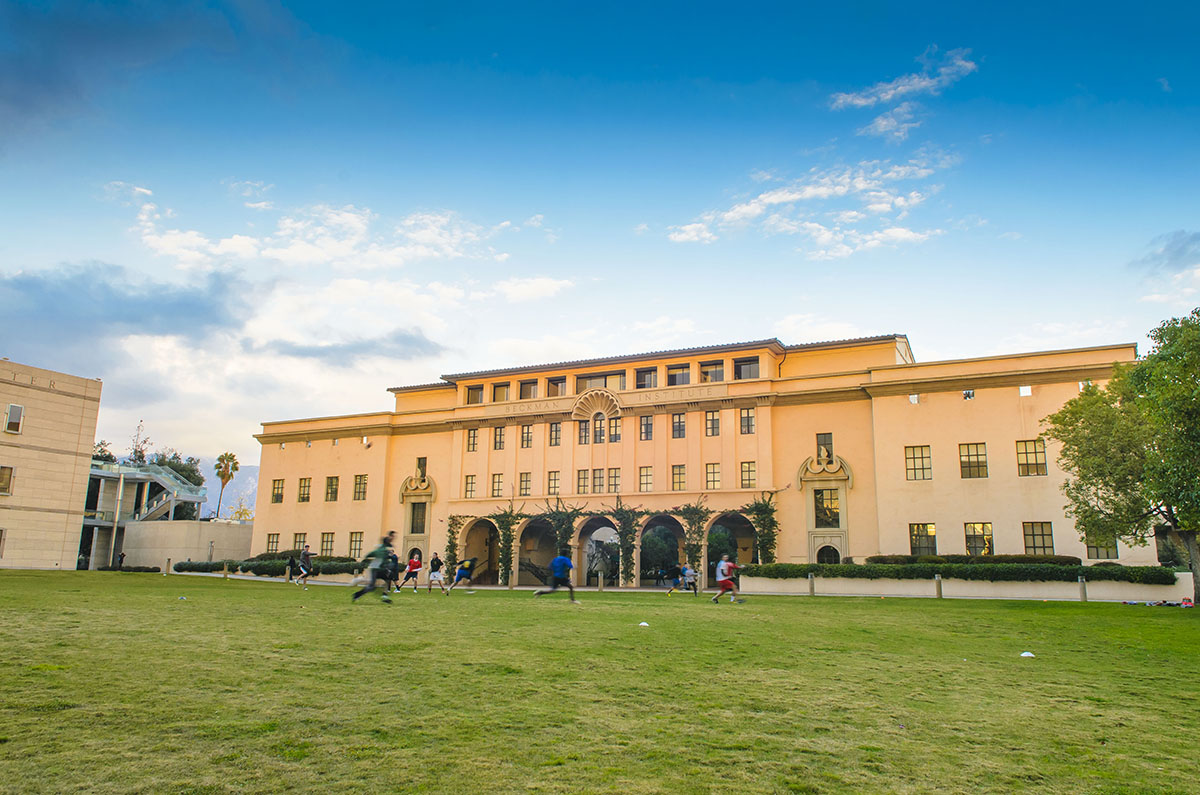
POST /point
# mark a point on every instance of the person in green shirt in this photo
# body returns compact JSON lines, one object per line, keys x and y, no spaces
{"x":375,"y":559}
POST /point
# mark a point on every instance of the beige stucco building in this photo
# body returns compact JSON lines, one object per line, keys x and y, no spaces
{"x":868,"y":450}
{"x":49,"y":427}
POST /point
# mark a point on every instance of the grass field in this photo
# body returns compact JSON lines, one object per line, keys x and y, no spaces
{"x":112,"y":683}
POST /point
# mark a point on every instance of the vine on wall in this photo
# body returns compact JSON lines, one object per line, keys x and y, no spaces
{"x":506,"y":520}
{"x":694,"y":515}
{"x":453,"y":526}
{"x":626,"y":517}
{"x":761,"y":513}
{"x":561,"y":517}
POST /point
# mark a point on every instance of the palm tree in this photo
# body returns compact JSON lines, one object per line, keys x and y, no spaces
{"x":226,"y":466}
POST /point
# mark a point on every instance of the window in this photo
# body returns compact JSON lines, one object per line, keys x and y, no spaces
{"x":972,"y":460}
{"x":498,"y":438}
{"x":556,"y":387}
{"x":1102,"y":551}
{"x":528,"y":390}
{"x":469,"y":487}
{"x":598,"y":428}
{"x":749,"y":474}
{"x":526,"y":436}
{"x":746,"y":420}
{"x":472,"y":439}
{"x":523,"y":484}
{"x":16,"y":414}
{"x":828,"y":555}
{"x":498,"y":485}
{"x":272,"y":542}
{"x":922,"y":539}
{"x":918,"y":462}
{"x":360,"y":487}
{"x":824,"y":448}
{"x":614,"y":429}
{"x":420,"y":511}
{"x":356,"y":545}
{"x":552,"y":482}
{"x":968,"y":394}
{"x":327,"y":545}
{"x":585,"y":432}
{"x":712,"y":423}
{"x":827,"y":510}
{"x":646,"y":427}
{"x":711,"y":372}
{"x":475,"y":394}
{"x":331,"y":488}
{"x":979,"y":538}
{"x":1031,"y":458}
{"x":555,"y":434}
{"x":614,"y":381}
{"x":678,"y":477}
{"x":1039,"y":538}
{"x":499,"y":393}
{"x":304,"y":494}
{"x":422,"y":467}
{"x":335,"y":442}
{"x":1025,"y":391}
{"x":678,"y":375}
{"x":645,"y":478}
{"x":581,"y":482}
{"x":646,"y":378}
{"x":597,"y":481}
{"x":614,"y":480}
{"x":678,"y":426}
{"x":745,"y":368}
{"x":299,"y":540}
{"x":276,"y":489}
{"x":712,"y":476}
{"x":914,"y":399}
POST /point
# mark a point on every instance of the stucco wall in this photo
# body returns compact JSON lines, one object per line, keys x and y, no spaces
{"x":151,"y":543}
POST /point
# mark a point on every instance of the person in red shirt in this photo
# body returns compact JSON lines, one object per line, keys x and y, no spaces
{"x":414,"y":567}
{"x":725,"y":570}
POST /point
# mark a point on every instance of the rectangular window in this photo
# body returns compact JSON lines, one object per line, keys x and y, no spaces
{"x":646,"y":427}
{"x":326,"y":545}
{"x":613,"y":381}
{"x":14,"y":418}
{"x":556,"y":387}
{"x":497,"y":485}
{"x":827,"y":510}
{"x":972,"y":460}
{"x":524,"y":484}
{"x":498,"y":438}
{"x":678,"y":477}
{"x":1031,"y":458}
{"x":472,"y":439}
{"x":526,"y":436}
{"x":597,"y":481}
{"x":749,"y":474}
{"x":712,"y":423}
{"x":420,"y":510}
{"x":356,"y":545}
{"x":918,"y":462}
{"x":276,"y":490}
{"x":299,"y":540}
{"x":745,"y":368}
{"x":979,"y":538}
{"x":712,"y":476}
{"x":598,"y":429}
{"x":646,"y":378}
{"x":614,"y":480}
{"x":746,"y":419}
{"x":581,"y":481}
{"x":1039,"y":538}
{"x":555,"y":434}
{"x":552,"y":486}
{"x":824,"y":448}
{"x":1101,"y":552}
{"x":678,"y":375}
{"x":360,"y":487}
{"x":304,"y":494}
{"x":922,"y":539}
{"x":614,"y":429}
{"x":711,"y":372}
{"x":645,"y":478}
{"x":469,"y":487}
{"x":585,"y":431}
{"x":331,"y":488}
{"x":272,"y":542}
{"x":475,"y":394}
{"x":499,"y":393}
{"x":422,"y":466}
{"x":528,"y":390}
{"x":678,"y":426}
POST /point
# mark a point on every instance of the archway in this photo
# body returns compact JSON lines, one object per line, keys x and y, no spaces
{"x":730,"y":534}
{"x":661,"y":546}
{"x":482,"y":541}
{"x":597,"y":552}
{"x":537,"y":547}
{"x":828,"y":554}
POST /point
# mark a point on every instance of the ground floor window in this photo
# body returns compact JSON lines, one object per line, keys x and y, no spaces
{"x":828,"y":554}
{"x":922,"y":539}
{"x":1101,"y":552}
{"x":356,"y":545}
{"x":1039,"y":538}
{"x":299,"y":540}
{"x":272,"y":542}
{"x":979,"y":538}
{"x":327,"y":545}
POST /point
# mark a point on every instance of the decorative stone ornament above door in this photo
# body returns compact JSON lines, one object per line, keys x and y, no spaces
{"x":596,"y":401}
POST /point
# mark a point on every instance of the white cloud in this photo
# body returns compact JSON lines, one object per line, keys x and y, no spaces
{"x":641,"y":229}
{"x":249,"y":189}
{"x":535,"y":221}
{"x":1166,"y":86}
{"x":264,"y":205}
{"x":691,"y":233}
{"x":937,"y":75}
{"x":893,"y":124}
{"x":531,"y":289}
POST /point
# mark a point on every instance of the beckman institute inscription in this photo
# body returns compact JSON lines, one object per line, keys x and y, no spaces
{"x":635,"y":397}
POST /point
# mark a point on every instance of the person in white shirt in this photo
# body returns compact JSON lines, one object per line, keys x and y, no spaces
{"x":725,"y":570}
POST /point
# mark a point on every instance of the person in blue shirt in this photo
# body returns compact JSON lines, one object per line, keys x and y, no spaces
{"x":560,"y":574}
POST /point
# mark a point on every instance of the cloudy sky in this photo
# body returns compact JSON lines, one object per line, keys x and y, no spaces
{"x":249,"y":211}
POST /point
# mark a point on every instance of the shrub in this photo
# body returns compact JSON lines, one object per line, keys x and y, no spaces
{"x":930,"y":559}
{"x":143,"y":569}
{"x":1004,"y":572}
{"x":295,"y":553}
{"x":204,"y":565}
{"x":278,"y":568}
{"x":975,"y":560}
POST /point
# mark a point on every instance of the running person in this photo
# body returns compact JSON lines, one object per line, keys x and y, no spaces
{"x":305,"y":567}
{"x":435,"y":575}
{"x":674,"y":573}
{"x":410,"y":573}
{"x":689,"y":580}
{"x":560,"y":575}
{"x":725,"y":570}
{"x":377,"y":557}
{"x":466,"y":568}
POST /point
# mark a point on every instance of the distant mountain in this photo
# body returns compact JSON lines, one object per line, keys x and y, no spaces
{"x":244,"y":486}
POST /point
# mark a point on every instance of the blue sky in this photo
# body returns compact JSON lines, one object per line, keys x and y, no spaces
{"x":249,"y":211}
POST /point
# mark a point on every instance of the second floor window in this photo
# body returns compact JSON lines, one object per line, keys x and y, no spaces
{"x":597,"y":481}
{"x":646,"y":427}
{"x":497,"y":438}
{"x":678,"y":426}
{"x":614,"y":480}
{"x":918,"y":462}
{"x":1031,"y":458}
{"x":524,"y":481}
{"x":472,"y":439}
{"x":645,"y":478}
{"x":826,"y":508}
{"x":555,"y":434}
{"x":526,"y":436}
{"x":360,"y":487}
{"x":712,"y":476}
{"x":749,"y":474}
{"x":972,"y":460}
{"x":277,"y":490}
{"x":419,"y":512}
{"x":469,"y":487}
{"x":746,"y":418}
{"x":331,"y":488}
{"x":678,"y":477}
{"x":14,"y":418}
{"x":614,"y":429}
{"x":552,"y":482}
{"x":581,"y":482}
{"x":497,"y":485}
{"x":712,"y":423}
{"x":598,"y":429}
{"x":585,"y":431}
{"x":824,"y":448}
{"x":305,"y":491}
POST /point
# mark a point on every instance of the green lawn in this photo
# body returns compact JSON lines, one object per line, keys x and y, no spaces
{"x":112,"y":683}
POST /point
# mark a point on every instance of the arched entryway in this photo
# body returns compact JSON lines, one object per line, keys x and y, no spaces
{"x":597,"y":552}
{"x":730,"y":534}
{"x":482,"y":541}
{"x":661,"y":545}
{"x":535,"y":549}
{"x":828,"y":554}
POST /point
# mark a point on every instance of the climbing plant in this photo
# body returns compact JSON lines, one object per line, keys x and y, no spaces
{"x":626,"y":517}
{"x":694,"y":515}
{"x":561,"y":518}
{"x":761,"y":512}
{"x":506,"y":521}
{"x":453,"y":526}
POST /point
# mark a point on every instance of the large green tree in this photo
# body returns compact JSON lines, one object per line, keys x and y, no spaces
{"x":1132,"y":449}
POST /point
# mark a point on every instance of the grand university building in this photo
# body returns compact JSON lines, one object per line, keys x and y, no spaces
{"x":867,"y":451}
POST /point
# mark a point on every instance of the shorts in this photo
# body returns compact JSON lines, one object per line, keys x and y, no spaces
{"x":436,"y":576}
{"x":411,"y":575}
{"x":463,"y":574}
{"x":304,"y":572}
{"x":675,"y":582}
{"x":726,"y":585}
{"x":558,"y":582}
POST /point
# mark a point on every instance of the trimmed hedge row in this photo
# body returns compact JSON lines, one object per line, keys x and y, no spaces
{"x":271,"y":568}
{"x":143,"y":569}
{"x":975,"y":560}
{"x":1002,"y":572}
{"x":295,"y":553}
{"x":202,"y":565}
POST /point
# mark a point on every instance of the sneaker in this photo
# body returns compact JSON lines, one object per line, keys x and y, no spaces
{"x":306,"y":587}
{"x":574,"y":601}
{"x":470,"y":592}
{"x":714,"y":600}
{"x":387,"y":600}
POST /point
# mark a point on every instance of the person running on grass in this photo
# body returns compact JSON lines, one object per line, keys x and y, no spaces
{"x":675,"y":575}
{"x":689,"y":580}
{"x":305,"y":567}
{"x":725,"y":570}
{"x":435,"y":575}
{"x":560,"y":575}
{"x":376,"y":558}
{"x":414,"y":568}
{"x":466,"y":568}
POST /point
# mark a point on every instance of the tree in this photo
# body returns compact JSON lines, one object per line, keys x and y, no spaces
{"x":1132,"y":450}
{"x":242,"y":512}
{"x":188,"y":469}
{"x":694,"y":516}
{"x":226,"y":467}
{"x":102,"y":451}
{"x":762,"y":515}
{"x":139,"y":444}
